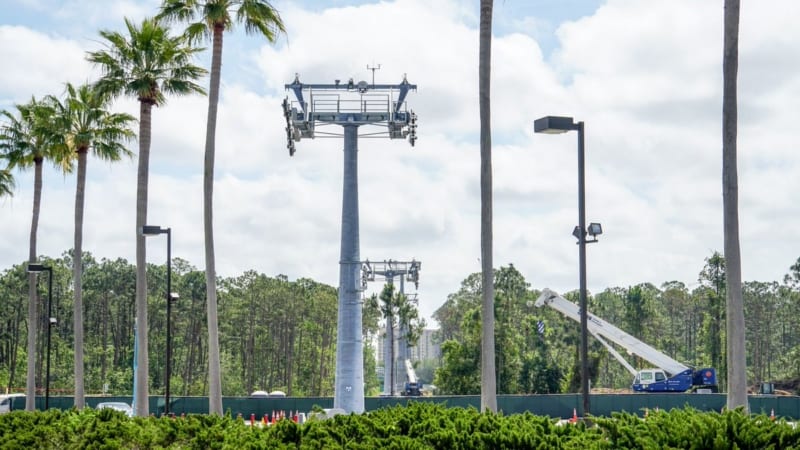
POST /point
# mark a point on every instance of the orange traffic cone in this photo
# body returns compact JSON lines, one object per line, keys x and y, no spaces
{"x":574,"y":416}
{"x":772,"y":414}
{"x":252,"y":419}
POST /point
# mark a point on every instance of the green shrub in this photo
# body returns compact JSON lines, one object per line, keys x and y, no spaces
{"x":416,"y":426}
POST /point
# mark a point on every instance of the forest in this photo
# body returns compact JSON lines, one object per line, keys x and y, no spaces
{"x":275,"y":334}
{"x":278,"y":334}
{"x":686,"y":321}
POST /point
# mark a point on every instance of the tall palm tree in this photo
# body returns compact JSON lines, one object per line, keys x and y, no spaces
{"x":737,"y":365}
{"x":6,"y":183}
{"x":27,"y":139}
{"x":146,"y":64}
{"x":488,"y":372}
{"x":88,"y":125}
{"x":213,"y":18}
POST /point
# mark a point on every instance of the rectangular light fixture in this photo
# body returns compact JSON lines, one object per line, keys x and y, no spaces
{"x":36,"y":268}
{"x":152,"y":230}
{"x":554,"y":125}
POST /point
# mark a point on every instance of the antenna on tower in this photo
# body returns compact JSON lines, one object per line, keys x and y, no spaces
{"x":373,"y":69}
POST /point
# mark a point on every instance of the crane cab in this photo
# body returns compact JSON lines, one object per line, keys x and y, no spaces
{"x":648,"y":376}
{"x":657,"y":380}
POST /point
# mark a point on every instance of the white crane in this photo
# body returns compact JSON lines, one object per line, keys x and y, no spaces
{"x":669,"y":374}
{"x":412,"y":386}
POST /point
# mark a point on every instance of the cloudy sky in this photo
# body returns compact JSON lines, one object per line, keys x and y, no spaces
{"x":644,"y":75}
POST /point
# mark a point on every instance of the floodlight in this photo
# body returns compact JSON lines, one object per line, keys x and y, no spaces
{"x":595,"y":229}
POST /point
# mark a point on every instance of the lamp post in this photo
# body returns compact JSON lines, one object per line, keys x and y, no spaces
{"x":153,"y":230}
{"x":38,"y":268}
{"x":558,"y":125}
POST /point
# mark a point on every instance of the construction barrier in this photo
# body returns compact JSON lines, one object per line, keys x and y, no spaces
{"x":554,"y":405}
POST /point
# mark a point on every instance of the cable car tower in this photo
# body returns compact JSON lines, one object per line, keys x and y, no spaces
{"x":389,"y":270}
{"x":380,"y":111}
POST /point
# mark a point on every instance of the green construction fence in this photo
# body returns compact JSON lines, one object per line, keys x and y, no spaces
{"x":553,"y":405}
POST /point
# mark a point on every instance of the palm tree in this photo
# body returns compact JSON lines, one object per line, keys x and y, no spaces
{"x":27,"y":139}
{"x":145,"y":64}
{"x":213,"y":18}
{"x":387,"y":309}
{"x":87,"y":124}
{"x":737,"y":365}
{"x":488,"y":373}
{"x":6,"y":183}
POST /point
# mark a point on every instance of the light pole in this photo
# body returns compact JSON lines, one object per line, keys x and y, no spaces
{"x":153,"y":230}
{"x":37,"y":268}
{"x":558,"y":125}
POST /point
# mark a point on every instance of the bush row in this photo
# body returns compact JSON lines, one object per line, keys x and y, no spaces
{"x":416,"y":426}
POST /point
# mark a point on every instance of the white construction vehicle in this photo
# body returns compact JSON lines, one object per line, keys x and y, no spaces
{"x":668,"y":376}
{"x":412,"y":386}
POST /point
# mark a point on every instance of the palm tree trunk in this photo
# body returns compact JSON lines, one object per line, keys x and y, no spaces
{"x":737,"y":368}
{"x":142,"y":366}
{"x":214,"y":375}
{"x":12,"y":371}
{"x":77,"y":270}
{"x":33,"y":319}
{"x":388,"y":354}
{"x":488,"y":372}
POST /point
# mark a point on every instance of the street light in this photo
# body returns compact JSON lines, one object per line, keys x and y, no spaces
{"x":558,"y":125}
{"x":38,"y":268}
{"x":153,"y":230}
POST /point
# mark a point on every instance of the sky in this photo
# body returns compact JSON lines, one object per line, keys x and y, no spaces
{"x":645,"y":76}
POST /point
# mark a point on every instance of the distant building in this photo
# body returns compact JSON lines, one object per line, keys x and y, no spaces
{"x":427,"y":347}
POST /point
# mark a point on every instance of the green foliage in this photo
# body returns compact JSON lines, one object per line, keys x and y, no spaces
{"x":416,"y":426}
{"x":525,"y":363}
{"x":146,"y":64}
{"x":276,"y":333}
{"x":281,"y":334}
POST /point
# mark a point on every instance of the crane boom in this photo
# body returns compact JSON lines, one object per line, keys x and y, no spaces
{"x":599,"y":327}
{"x":616,"y":355}
{"x":410,"y":373}
{"x":412,"y":387}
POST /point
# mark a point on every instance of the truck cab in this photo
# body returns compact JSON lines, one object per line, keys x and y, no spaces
{"x":6,"y":402}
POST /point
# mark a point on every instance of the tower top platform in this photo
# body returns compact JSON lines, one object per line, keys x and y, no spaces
{"x":348,"y":104}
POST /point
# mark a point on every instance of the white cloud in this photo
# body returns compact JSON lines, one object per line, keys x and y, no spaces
{"x":37,"y":64}
{"x":645,"y":76}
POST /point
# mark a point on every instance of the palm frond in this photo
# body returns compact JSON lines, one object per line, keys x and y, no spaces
{"x":7,"y":183}
{"x":29,"y":136}
{"x":148,"y":62}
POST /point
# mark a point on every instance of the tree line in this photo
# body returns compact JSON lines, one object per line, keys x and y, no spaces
{"x":279,"y":334}
{"x":275,"y":334}
{"x":537,"y":349}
